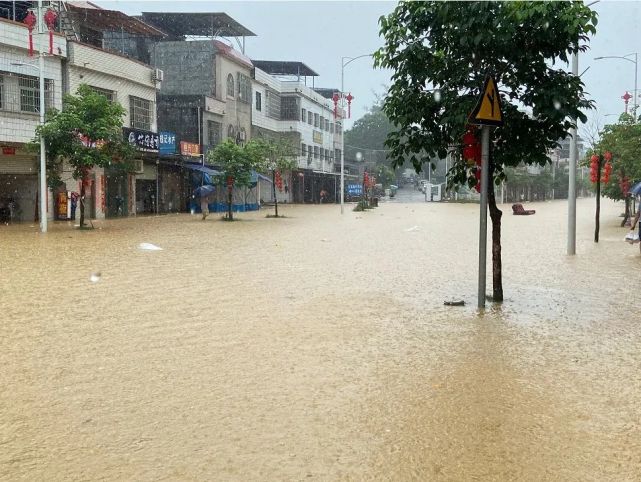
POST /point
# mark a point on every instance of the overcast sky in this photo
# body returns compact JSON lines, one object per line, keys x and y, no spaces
{"x":320,"y":33}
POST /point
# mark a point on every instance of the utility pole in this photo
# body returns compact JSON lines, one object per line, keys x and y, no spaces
{"x":571,"y":246}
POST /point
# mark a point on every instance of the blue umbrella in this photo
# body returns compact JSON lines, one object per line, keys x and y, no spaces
{"x":204,"y":191}
{"x":636,"y":189}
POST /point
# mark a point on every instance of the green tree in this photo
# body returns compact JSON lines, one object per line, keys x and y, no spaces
{"x":87,"y":133}
{"x":236,"y":163}
{"x":279,"y":156}
{"x":440,"y":53}
{"x":385,"y":175}
{"x":368,"y":134}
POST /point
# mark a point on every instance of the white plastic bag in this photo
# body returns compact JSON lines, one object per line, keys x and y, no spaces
{"x":632,"y":237}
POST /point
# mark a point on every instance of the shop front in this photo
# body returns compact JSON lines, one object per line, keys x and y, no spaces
{"x":18,"y":184}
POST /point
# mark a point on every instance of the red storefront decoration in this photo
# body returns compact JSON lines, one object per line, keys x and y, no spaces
{"x":279,"y":181}
{"x":30,"y":22}
{"x":50,"y":20}
{"x":349,"y":105}
{"x":335,"y":99}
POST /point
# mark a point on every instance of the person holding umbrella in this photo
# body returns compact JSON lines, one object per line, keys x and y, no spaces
{"x":204,"y":192}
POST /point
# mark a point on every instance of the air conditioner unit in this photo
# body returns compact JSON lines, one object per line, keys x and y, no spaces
{"x":138,"y":166}
{"x":158,"y":75}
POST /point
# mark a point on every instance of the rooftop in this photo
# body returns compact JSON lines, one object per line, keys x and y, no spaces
{"x":112,"y":20}
{"x":180,"y":24}
{"x":284,"y":67}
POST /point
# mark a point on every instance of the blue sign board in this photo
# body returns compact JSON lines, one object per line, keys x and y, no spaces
{"x":167,"y":143}
{"x":354,"y":189}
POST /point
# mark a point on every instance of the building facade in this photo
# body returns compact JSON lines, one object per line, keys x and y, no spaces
{"x":20,"y":115}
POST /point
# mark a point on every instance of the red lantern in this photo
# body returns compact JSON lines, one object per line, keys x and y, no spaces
{"x":471,"y":146}
{"x":335,"y":99}
{"x":50,"y":20}
{"x":608,"y":156}
{"x":30,"y":22}
{"x":349,"y":105}
{"x":594,"y":158}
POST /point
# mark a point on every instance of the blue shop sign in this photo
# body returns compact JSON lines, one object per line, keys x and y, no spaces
{"x":354,"y":189}
{"x":167,"y":142}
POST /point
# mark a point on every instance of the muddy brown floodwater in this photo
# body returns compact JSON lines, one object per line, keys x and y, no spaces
{"x":318,"y":347}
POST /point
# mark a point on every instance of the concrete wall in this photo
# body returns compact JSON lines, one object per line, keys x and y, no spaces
{"x":237,"y":113}
{"x":188,"y":67}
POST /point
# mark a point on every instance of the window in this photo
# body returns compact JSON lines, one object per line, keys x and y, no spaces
{"x":327,"y":124}
{"x":244,"y":88}
{"x":331,"y":128}
{"x":109,"y":94}
{"x":273,"y":105}
{"x":289,"y":108}
{"x":230,"y":85}
{"x":315,"y":152}
{"x":214,"y":133}
{"x":139,"y":113}
{"x":1,"y":91}
{"x":337,"y":155}
{"x":303,"y":115}
{"x":322,"y":122}
{"x":310,"y":118}
{"x":259,"y":101}
{"x":30,"y":93}
{"x":338,"y":128}
{"x":231,"y":132}
{"x":303,"y":150}
{"x":316,"y":120}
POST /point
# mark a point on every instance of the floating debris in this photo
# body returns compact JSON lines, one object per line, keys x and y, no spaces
{"x":413,"y":228}
{"x":454,"y":303}
{"x":149,"y":247}
{"x":95,"y":277}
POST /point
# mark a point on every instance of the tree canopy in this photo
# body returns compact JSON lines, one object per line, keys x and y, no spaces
{"x":87,"y":132}
{"x":440,"y":53}
{"x":623,"y":140}
{"x":368,"y":134}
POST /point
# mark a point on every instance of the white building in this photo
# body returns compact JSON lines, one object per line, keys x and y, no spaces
{"x":285,"y":106}
{"x":20,"y":115}
{"x":132,"y":84}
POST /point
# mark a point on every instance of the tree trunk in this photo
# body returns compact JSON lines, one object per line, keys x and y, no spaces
{"x":274,"y":191}
{"x":82,"y":201}
{"x":598,"y":204}
{"x":626,"y":216}
{"x":230,"y":191}
{"x":495,"y":215}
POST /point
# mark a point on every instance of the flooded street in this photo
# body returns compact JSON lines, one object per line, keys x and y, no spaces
{"x":318,"y":347}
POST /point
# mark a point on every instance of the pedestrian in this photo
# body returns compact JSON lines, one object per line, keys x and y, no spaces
{"x":634,"y":223}
{"x":323,"y":196}
{"x":204,"y":206}
{"x":74,"y":204}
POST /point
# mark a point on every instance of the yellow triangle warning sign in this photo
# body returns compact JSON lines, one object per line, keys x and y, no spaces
{"x":488,"y":109}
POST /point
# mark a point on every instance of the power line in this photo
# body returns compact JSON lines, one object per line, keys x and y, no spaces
{"x":367,"y":148}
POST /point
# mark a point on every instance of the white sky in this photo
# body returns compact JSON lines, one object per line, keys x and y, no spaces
{"x":319,"y":33}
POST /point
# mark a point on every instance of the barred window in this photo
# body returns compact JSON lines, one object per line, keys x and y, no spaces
{"x":244,"y":88}
{"x":337,"y":155}
{"x":303,"y":149}
{"x":303,"y":115}
{"x":230,"y":85}
{"x":109,"y":94}
{"x":273,"y":105}
{"x":1,"y":91}
{"x":322,"y":123}
{"x":139,"y":113}
{"x":30,"y":93}
{"x":310,"y":118}
{"x":289,"y":108}
{"x":316,"y":120}
{"x":315,"y":152}
{"x":327,"y":124}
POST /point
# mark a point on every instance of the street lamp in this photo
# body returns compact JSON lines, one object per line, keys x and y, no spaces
{"x":345,"y":61}
{"x":635,"y":62}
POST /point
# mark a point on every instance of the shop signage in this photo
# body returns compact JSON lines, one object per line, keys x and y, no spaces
{"x":189,"y":149}
{"x":145,"y":141}
{"x":167,"y":141}
{"x":318,"y":137}
{"x":8,"y":151}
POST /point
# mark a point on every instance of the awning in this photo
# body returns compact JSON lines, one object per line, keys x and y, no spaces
{"x":256,"y":176}
{"x":205,"y":169}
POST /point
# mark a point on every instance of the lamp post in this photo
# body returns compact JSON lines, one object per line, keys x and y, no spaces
{"x":635,"y":62}
{"x":345,"y":61}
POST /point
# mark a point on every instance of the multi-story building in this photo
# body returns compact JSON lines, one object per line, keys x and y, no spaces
{"x":285,"y":106}
{"x":132,"y":84}
{"x":20,"y":114}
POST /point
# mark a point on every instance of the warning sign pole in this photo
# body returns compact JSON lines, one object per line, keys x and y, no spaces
{"x":485,"y":160}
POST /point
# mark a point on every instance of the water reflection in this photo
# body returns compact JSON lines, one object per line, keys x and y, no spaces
{"x":319,"y":346}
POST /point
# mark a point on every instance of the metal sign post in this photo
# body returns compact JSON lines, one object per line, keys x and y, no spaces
{"x":485,"y":160}
{"x":486,"y":113}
